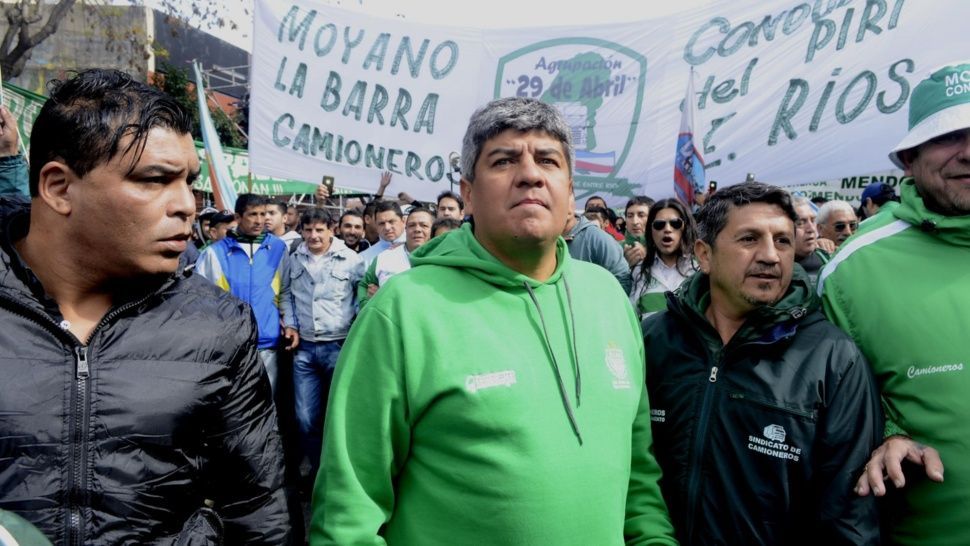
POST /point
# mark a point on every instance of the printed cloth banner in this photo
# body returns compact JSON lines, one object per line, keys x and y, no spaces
{"x":793,"y":92}
{"x":26,"y":105}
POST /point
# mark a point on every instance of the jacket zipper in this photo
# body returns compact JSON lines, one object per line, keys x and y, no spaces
{"x":806,"y":414}
{"x":700,"y":437}
{"x":80,"y":422}
{"x":78,"y":448}
{"x":80,"y":418}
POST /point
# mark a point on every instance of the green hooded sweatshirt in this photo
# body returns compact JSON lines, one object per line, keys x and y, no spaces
{"x":475,"y":405}
{"x":901,"y":288}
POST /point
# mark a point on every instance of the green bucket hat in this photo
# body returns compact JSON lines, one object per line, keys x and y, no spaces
{"x":940,"y":104}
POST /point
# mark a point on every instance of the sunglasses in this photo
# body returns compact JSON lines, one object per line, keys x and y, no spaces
{"x":675,"y":223}
{"x":840,"y":226}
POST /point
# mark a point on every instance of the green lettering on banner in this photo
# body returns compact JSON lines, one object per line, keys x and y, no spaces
{"x":322,"y":142}
{"x":323,"y":50}
{"x":840,"y":114}
{"x":284,"y":141}
{"x":391,"y":165}
{"x":438,"y":72}
{"x":437,"y":163}
{"x":350,"y":44}
{"x":826,"y":93}
{"x":412,"y":165}
{"x":355,"y":100}
{"x":374,"y":157}
{"x":330,"y":100}
{"x":903,"y":87}
{"x":377,"y":103}
{"x":722,"y":24}
{"x":401,"y":107}
{"x":426,"y":114}
{"x":296,"y":30}
{"x":788,"y":109}
{"x":404,"y":50}
{"x":377,"y":52}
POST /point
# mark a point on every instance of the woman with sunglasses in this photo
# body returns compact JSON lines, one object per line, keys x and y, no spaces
{"x":669,"y":257}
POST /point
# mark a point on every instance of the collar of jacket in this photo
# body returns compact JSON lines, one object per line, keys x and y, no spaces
{"x":765,"y":325}
{"x":953,"y":230}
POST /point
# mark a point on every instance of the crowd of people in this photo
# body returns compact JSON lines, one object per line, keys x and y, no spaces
{"x":496,"y":367}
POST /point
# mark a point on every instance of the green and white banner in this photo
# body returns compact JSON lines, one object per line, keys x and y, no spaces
{"x":794,"y":92}
{"x":26,"y":105}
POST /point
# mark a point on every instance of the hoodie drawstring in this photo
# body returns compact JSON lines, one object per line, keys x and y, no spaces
{"x":555,"y":363}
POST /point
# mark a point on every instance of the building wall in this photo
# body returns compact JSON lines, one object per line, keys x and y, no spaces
{"x":90,"y":36}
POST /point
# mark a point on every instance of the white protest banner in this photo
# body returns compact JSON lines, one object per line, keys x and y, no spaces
{"x":346,"y":95}
{"x":794,"y":92}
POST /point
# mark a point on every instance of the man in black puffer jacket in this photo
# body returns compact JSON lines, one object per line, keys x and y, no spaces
{"x":133,"y":406}
{"x":763,"y":412}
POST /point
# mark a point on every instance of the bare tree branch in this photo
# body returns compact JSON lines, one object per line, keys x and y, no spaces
{"x":14,"y":60}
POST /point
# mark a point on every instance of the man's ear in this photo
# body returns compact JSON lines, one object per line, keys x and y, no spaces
{"x":703,"y":251}
{"x":54,"y":186}
{"x":907,"y":157}
{"x":466,"y":195}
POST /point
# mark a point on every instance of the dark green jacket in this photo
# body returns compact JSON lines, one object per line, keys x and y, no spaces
{"x":761,"y":440}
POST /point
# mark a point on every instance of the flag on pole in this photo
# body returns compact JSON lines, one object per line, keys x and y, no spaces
{"x":223,"y":192}
{"x":688,"y":162}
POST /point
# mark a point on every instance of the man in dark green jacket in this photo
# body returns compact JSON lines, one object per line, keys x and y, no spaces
{"x":763,"y":412}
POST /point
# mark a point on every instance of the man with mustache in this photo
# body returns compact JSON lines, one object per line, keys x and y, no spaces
{"x":319,"y":281}
{"x":764,"y":413}
{"x":837,"y":221}
{"x":901,"y":289}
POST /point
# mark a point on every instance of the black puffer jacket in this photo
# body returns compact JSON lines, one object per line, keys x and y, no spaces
{"x":761,"y":441}
{"x":122,"y":441}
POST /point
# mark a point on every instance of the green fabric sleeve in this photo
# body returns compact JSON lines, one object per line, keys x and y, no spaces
{"x":367,"y":437}
{"x":647,"y":520}
{"x":370,"y":277}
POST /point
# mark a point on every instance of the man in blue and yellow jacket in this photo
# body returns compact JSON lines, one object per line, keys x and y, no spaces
{"x":248,"y":263}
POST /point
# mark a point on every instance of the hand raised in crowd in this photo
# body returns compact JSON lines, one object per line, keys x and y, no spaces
{"x":323,"y":192}
{"x":634,"y":253}
{"x":886,"y":463}
{"x":293,"y":338}
{"x":9,"y":139}
{"x":827,"y":245}
{"x":385,"y":182}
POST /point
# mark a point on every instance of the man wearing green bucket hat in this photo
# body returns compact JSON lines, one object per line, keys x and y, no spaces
{"x":901,"y":288}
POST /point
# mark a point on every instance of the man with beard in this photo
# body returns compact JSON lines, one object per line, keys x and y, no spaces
{"x":901,"y":289}
{"x":351,"y":230}
{"x":764,"y":413}
{"x":417,"y":231}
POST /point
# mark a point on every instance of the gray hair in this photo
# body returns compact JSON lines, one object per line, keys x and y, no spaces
{"x":829,"y":207}
{"x":519,"y":113}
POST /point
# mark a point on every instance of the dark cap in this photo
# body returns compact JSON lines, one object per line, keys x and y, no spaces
{"x":879,"y":193}
{"x":223,"y":217}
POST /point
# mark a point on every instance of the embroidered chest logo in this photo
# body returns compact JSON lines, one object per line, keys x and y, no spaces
{"x":773,"y":444}
{"x":616,"y":364}
{"x":475,"y":383}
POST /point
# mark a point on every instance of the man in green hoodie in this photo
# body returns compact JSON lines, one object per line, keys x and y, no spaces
{"x":515,"y":413}
{"x":901,"y":288}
